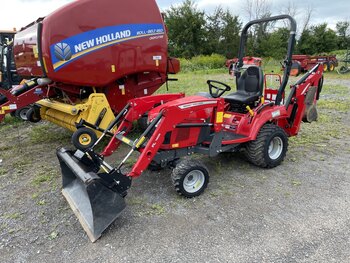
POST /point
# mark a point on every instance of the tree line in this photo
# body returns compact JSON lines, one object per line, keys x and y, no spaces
{"x":193,"y":33}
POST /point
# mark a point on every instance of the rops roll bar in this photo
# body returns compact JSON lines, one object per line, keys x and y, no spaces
{"x":291,"y":44}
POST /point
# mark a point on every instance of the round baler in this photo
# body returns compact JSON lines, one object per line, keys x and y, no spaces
{"x":87,"y":59}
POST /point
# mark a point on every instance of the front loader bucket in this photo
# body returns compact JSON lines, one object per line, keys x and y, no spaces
{"x":95,"y":205}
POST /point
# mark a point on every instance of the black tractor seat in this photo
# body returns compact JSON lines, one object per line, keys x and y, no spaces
{"x":249,"y":87}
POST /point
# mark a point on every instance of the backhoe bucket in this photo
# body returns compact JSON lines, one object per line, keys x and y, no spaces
{"x":310,"y":113}
{"x":95,"y":205}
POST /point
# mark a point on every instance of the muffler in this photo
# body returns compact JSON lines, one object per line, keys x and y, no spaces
{"x":97,"y":199}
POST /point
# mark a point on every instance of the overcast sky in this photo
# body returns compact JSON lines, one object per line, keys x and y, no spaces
{"x":18,"y":13}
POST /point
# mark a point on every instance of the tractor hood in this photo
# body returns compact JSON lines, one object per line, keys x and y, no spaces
{"x":190,"y":102}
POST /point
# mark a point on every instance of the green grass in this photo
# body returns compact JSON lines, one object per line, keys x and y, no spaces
{"x":201,"y":62}
{"x":11,"y":120}
{"x":8,"y":123}
{"x":43,"y":177}
{"x":337,"y":90}
{"x":337,"y":105}
{"x":196,"y":81}
{"x":296,"y":183}
{"x":3,"y":171}
{"x":53,"y":235}
{"x":157,"y":209}
{"x":13,"y":216}
{"x":41,"y":202}
{"x":317,"y":133}
{"x":49,"y":132}
{"x":336,"y":75}
{"x":146,"y":208}
{"x":193,"y":82}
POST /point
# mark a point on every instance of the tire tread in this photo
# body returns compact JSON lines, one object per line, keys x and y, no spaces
{"x":181,"y":169}
{"x":255,"y":149}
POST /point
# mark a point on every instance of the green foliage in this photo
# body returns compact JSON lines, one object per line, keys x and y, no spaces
{"x":275,"y":44}
{"x":343,"y":28}
{"x":318,"y":39}
{"x":186,"y":25}
{"x":230,"y":34}
{"x":202,"y":62}
{"x":223,"y":33}
{"x":193,"y":33}
{"x":214,"y":24}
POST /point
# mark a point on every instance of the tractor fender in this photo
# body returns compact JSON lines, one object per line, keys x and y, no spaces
{"x":252,"y":125}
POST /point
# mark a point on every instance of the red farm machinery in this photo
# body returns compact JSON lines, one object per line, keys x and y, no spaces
{"x":230,"y":63}
{"x":303,"y":63}
{"x":86,"y":69}
{"x":207,"y":123}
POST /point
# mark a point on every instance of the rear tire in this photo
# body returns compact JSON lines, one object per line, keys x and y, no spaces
{"x":325,"y":67}
{"x":22,"y":113}
{"x":190,"y":178}
{"x":84,"y":138}
{"x":331,"y":66}
{"x":269,"y":148}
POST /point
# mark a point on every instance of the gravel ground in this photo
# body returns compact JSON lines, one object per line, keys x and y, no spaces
{"x":297,"y":212}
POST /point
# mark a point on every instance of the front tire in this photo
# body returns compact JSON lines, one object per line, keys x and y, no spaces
{"x":269,"y":148}
{"x":84,"y":138}
{"x":33,"y":114}
{"x":190,"y":178}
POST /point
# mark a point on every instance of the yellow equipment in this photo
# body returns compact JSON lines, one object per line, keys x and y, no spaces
{"x":94,"y":110}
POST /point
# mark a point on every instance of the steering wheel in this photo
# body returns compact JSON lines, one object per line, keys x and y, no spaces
{"x":216,"y":90}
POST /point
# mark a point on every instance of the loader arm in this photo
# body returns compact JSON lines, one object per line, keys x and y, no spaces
{"x":167,"y":119}
{"x":138,"y":107}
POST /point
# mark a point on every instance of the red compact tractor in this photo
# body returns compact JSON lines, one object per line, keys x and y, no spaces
{"x":178,"y":126}
{"x":86,"y":60}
